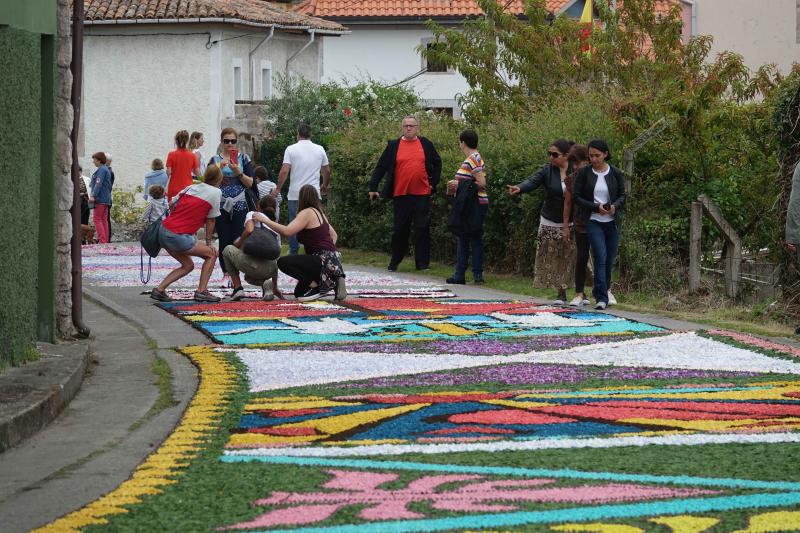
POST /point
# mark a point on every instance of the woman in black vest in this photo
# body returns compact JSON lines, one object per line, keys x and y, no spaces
{"x":555,"y":258}
{"x":599,"y":197}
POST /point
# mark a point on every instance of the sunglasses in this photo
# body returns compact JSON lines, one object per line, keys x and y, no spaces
{"x":554,"y":154}
{"x":228,"y":141}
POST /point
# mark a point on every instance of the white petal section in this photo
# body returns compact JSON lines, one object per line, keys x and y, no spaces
{"x":273,"y":369}
{"x":329,"y":325}
{"x":543,"y":320}
{"x":534,"y":444}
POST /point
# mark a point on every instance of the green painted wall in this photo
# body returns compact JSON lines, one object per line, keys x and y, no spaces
{"x":27,"y":148}
{"x":35,"y":16}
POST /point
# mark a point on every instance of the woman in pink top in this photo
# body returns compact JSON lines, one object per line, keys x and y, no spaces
{"x":181,"y":163}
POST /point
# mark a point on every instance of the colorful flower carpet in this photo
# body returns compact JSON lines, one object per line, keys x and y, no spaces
{"x":422,"y":414}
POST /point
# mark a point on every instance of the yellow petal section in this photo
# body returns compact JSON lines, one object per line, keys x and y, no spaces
{"x":772,"y":522}
{"x":685,"y":523}
{"x":598,"y":528}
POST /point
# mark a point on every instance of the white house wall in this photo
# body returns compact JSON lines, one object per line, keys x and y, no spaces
{"x":766,"y":31}
{"x":388,"y":53}
{"x":140,"y":87}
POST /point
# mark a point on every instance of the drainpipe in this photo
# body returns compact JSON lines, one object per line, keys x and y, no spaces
{"x":309,"y":43}
{"x":253,"y":64}
{"x":75,"y":244}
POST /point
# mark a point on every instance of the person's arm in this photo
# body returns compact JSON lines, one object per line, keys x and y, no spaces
{"x":580,"y":184}
{"x":249,"y":226}
{"x":623,"y":195}
{"x":332,"y":232}
{"x":275,"y":290}
{"x":567,"y":210}
{"x":535,"y":180}
{"x":196,"y":169}
{"x":282,"y":175}
{"x":326,"y":178}
{"x":792,"y":230}
{"x":210,"y":223}
{"x":295,"y":226}
{"x":436,"y":164}
{"x":245,"y":180}
{"x":380,"y":171}
{"x":480,"y":178}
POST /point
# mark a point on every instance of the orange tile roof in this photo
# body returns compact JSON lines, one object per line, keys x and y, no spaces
{"x":424,"y":8}
{"x":256,"y":11}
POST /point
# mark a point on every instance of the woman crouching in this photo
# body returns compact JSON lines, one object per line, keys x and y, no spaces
{"x":319,"y":271}
{"x":193,"y":207}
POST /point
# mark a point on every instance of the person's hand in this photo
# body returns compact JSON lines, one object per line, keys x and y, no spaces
{"x":374,"y":195}
{"x":452,"y":186}
{"x":91,"y":198}
{"x":602,"y":210}
{"x":613,"y":210}
{"x":565,"y":233}
{"x":274,"y":192}
{"x":214,"y":250}
{"x":791,"y":247}
{"x":277,"y":292}
{"x":235,"y":168}
{"x":323,"y":190}
{"x":512,"y":190}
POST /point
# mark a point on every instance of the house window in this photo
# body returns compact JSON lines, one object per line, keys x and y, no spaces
{"x":429,"y":64}
{"x":237,"y":83}
{"x":266,"y":80}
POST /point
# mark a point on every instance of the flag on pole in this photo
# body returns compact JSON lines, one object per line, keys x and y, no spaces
{"x":586,"y":27}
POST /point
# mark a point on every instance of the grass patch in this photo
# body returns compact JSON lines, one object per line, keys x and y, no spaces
{"x":717,"y":312}
{"x":166,"y":399}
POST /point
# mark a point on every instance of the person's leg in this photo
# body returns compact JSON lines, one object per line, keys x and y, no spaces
{"x":304,"y":268}
{"x":186,"y":266}
{"x":401,"y":229}
{"x":581,"y":260}
{"x":597,"y":244}
{"x":476,"y":243}
{"x":101,"y":222}
{"x":612,"y":243}
{"x":422,"y":232}
{"x":294,"y":245}
{"x":462,"y":255}
{"x":84,"y":211}
{"x":230,"y":256}
{"x":108,"y":219}
{"x":224,"y":227}
{"x":209,"y":256}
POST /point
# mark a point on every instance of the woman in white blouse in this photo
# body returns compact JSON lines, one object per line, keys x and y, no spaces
{"x":599,"y":197}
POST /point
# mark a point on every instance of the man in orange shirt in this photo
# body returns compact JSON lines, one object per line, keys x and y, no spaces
{"x":412,"y":167}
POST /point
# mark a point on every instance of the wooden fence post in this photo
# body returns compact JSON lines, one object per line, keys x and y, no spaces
{"x":733,"y":246}
{"x":695,"y":235}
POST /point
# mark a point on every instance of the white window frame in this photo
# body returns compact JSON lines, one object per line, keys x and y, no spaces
{"x":266,"y":92}
{"x":236,"y":63}
{"x":424,"y":61}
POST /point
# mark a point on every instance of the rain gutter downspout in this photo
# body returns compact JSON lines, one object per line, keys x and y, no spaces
{"x":252,"y":63}
{"x":309,"y":43}
{"x":76,"y":67}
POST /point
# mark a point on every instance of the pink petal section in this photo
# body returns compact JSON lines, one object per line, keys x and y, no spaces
{"x":357,"y":481}
{"x":293,"y":516}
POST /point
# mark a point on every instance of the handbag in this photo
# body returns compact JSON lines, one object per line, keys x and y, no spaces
{"x":149,"y":238}
{"x":262,"y":243}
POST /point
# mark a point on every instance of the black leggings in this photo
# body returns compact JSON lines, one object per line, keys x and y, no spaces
{"x":304,"y":268}
{"x":581,"y":260}
{"x":229,"y":228}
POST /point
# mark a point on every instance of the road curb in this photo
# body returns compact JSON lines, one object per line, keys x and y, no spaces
{"x":33,"y":395}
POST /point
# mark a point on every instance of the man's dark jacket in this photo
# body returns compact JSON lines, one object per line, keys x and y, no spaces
{"x":433,"y":165}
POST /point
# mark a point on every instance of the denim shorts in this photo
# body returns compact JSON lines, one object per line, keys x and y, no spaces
{"x":176,"y":242}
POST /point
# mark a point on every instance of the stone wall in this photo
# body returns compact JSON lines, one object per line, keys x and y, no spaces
{"x":62,"y":174}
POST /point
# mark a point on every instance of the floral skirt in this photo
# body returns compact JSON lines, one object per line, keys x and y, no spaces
{"x":331,"y":268}
{"x":555,"y":259}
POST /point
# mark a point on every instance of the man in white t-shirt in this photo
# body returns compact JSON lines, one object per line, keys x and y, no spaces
{"x":302,"y":164}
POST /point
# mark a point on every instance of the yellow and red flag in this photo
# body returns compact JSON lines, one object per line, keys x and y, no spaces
{"x":586,"y":27}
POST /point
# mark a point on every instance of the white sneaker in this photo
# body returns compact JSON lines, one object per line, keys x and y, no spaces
{"x":600,"y":306}
{"x":558,"y":302}
{"x":611,"y":299}
{"x":578,"y":301}
{"x":266,"y":291}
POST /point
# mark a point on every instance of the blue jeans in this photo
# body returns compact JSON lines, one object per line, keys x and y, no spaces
{"x":294,"y":245}
{"x":473,"y":243}
{"x":603,"y":240}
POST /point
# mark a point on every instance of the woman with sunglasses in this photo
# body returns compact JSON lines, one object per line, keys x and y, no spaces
{"x":237,"y":175}
{"x":599,"y":196}
{"x":555,"y":258}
